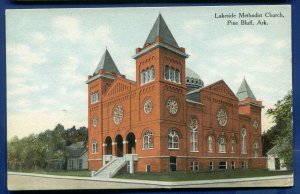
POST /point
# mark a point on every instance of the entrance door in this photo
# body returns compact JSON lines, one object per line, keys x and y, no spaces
{"x":277,"y":164}
{"x":108,"y":143}
{"x":172,"y":163}
{"x":119,"y":146}
{"x":131,"y":143}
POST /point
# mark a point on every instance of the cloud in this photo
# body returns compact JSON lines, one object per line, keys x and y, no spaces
{"x":24,"y":54}
{"x":36,"y":121}
{"x":195,"y":28}
{"x":67,"y":28}
{"x":245,"y":39}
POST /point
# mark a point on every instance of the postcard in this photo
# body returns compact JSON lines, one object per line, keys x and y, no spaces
{"x":149,"y":97}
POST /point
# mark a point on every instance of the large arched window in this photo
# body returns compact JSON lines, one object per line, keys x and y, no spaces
{"x":222,"y":145}
{"x":148,"y":140}
{"x":210,"y":144}
{"x":193,"y":135}
{"x":94,"y":147}
{"x":255,"y":149}
{"x":147,"y":75}
{"x":173,"y":140}
{"x":244,"y":145}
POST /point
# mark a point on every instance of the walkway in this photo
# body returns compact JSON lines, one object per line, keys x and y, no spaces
{"x":28,"y":181}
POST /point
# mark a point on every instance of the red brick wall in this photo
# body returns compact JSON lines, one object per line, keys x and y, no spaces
{"x":131,"y":96}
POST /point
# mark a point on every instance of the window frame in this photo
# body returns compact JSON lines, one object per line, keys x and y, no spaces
{"x":94,"y":147}
{"x":148,"y":135}
{"x":172,"y":142}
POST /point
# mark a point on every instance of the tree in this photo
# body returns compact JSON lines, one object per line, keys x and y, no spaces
{"x":283,"y":129}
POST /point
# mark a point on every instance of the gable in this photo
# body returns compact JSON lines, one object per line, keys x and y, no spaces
{"x":220,"y":87}
{"x":119,"y":86}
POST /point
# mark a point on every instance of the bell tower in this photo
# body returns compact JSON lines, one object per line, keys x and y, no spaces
{"x":160,"y":69}
{"x":160,"y":52}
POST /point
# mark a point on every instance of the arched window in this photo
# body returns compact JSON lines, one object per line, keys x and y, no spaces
{"x":255,"y":149}
{"x":244,"y":146}
{"x":233,"y":142}
{"x":177,"y":76}
{"x":94,"y":147}
{"x":147,"y":76}
{"x":152,"y":73}
{"x":167,"y":72}
{"x":194,"y":135}
{"x":148,"y":140}
{"x":173,"y":140}
{"x":210,"y":144}
{"x":222,"y":145}
{"x":172,"y":74}
{"x":142,"y":77}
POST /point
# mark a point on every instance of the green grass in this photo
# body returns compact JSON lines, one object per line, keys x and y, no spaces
{"x":200,"y":175}
{"x":79,"y":173}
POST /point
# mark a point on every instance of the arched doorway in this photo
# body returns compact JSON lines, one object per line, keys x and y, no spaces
{"x":131,"y":143}
{"x":108,"y":143}
{"x":119,"y":147}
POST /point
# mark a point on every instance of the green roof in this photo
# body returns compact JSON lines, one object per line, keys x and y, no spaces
{"x":107,"y":64}
{"x":245,"y":92}
{"x":161,"y":29}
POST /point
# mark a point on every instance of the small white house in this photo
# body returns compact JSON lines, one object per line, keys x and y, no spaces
{"x":274,"y":161}
{"x":77,"y":156}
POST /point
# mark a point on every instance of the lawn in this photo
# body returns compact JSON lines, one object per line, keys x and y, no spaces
{"x":78,"y":173}
{"x":200,"y":175}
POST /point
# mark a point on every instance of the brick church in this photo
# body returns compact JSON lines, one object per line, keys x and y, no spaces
{"x":168,"y":119}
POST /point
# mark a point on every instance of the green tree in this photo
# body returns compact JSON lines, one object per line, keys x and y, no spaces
{"x":282,"y":119}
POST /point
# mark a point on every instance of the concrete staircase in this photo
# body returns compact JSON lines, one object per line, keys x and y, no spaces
{"x":111,"y":168}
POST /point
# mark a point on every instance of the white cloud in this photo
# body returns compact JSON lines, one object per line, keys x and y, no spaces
{"x":24,"y":54}
{"x":67,"y":27}
{"x":245,"y":39}
{"x":195,"y":28}
{"x":36,"y":121}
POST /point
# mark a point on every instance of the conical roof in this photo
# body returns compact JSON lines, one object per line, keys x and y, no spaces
{"x":107,"y":64}
{"x":245,"y":92}
{"x":161,"y":29}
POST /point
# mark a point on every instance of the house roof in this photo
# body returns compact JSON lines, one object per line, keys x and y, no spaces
{"x":245,"y":91}
{"x":278,"y":148}
{"x":76,"y":149}
{"x":161,"y":29}
{"x":107,"y":64}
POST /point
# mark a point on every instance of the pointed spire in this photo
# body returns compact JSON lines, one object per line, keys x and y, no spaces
{"x":161,"y":29}
{"x":107,"y":64}
{"x":245,"y":91}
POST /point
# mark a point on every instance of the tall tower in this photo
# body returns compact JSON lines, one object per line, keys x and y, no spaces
{"x":251,"y":107}
{"x":160,"y":68}
{"x":98,"y":83}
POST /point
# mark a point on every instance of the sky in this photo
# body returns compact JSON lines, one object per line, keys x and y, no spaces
{"x":50,"y":53}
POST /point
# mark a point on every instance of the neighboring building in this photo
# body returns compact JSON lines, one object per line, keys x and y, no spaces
{"x":274,"y":161}
{"x":167,"y":117}
{"x":77,"y":156}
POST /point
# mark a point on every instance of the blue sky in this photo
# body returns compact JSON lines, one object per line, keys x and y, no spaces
{"x":50,"y":53}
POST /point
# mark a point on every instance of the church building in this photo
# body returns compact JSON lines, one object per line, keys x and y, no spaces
{"x":168,"y":120}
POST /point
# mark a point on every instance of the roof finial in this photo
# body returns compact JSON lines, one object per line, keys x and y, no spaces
{"x":106,"y":47}
{"x":244,"y":76}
